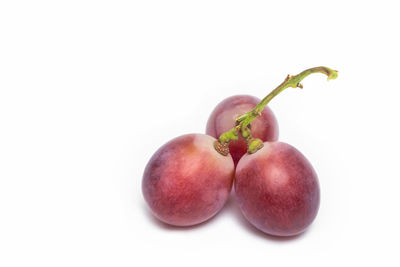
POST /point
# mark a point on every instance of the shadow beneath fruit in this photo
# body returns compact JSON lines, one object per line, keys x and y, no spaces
{"x":232,"y":209}
{"x":170,"y":227}
{"x":242,"y":221}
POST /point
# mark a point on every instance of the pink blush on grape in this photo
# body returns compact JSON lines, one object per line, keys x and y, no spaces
{"x":187,"y":181}
{"x":277,"y":189}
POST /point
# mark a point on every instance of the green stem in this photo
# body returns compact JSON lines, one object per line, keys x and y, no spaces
{"x":243,"y":121}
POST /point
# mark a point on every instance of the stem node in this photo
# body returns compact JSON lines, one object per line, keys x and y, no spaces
{"x":222,"y":148}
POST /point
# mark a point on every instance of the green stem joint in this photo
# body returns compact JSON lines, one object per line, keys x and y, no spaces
{"x":243,"y":121}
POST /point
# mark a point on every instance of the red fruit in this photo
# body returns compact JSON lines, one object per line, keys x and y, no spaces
{"x":277,"y":189}
{"x":223,"y":118}
{"x":187,"y":181}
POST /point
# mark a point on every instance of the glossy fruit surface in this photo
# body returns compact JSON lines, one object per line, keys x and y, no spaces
{"x":277,"y":189}
{"x":222,"y":119}
{"x":186,"y":181}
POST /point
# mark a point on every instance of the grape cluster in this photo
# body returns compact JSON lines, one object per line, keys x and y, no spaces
{"x":189,"y":179}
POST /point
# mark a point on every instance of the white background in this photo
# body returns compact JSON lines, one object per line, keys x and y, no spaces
{"x":90,"y":89}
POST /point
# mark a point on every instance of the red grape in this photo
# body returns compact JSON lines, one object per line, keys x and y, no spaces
{"x":277,"y":189}
{"x":187,"y":181}
{"x":222,"y":119}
